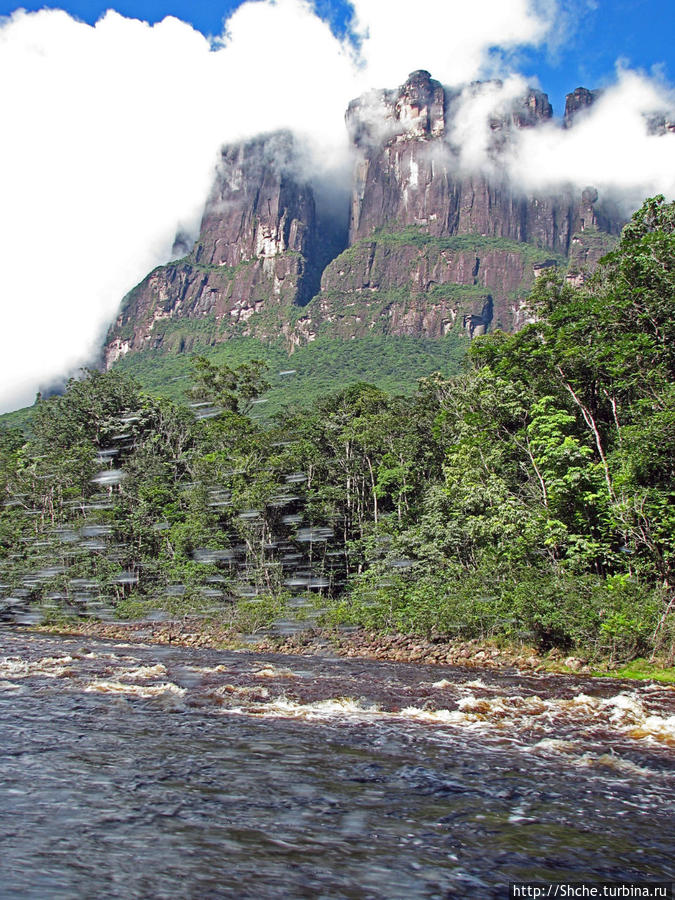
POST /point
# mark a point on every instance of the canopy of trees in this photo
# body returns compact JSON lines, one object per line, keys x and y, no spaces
{"x":531,"y":497}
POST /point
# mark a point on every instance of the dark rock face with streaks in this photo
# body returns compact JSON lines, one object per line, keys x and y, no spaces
{"x":434,"y":240}
{"x":418,"y":290}
{"x":258,"y":208}
{"x":580,"y":99}
{"x":409,"y":174}
{"x":432,"y":243}
{"x":257,"y":249}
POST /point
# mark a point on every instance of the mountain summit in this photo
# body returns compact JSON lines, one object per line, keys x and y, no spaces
{"x":433,"y":240}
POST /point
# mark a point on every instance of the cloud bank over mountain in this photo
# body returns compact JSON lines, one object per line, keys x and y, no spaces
{"x":112,"y":133}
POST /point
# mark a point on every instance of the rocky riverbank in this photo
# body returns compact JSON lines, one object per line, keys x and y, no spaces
{"x":342,"y":642}
{"x":360,"y":643}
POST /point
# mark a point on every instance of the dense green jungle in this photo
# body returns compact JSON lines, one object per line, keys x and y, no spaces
{"x":530,"y":498}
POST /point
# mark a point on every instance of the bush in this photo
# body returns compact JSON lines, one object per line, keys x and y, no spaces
{"x":452,"y":603}
{"x":614,"y":617}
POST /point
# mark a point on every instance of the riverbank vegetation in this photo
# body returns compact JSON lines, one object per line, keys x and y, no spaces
{"x":529,"y":499}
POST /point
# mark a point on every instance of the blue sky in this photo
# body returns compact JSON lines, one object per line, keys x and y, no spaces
{"x":603,"y":31}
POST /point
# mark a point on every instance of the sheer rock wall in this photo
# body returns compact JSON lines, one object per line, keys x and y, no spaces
{"x":431,"y":244}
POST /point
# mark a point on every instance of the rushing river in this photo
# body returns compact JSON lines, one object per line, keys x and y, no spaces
{"x":137,"y":771}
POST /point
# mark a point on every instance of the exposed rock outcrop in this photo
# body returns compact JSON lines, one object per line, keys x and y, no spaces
{"x":434,"y":242}
{"x":408,"y":172}
{"x":388,"y":286}
{"x":421,"y":224}
{"x":257,"y":250}
{"x":580,"y":99}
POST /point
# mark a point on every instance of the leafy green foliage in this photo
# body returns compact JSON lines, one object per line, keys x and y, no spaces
{"x":231,"y":389}
{"x":416,"y":236}
{"x":392,"y":363}
{"x":530,"y":498}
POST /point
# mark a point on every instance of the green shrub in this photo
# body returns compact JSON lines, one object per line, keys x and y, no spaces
{"x":614,"y":617}
{"x":452,"y":604}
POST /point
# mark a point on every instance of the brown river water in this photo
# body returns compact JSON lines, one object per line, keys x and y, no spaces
{"x":137,"y":771}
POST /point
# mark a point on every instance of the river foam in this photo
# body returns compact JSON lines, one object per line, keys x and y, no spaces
{"x":543,"y":715}
{"x":47,"y":667}
{"x":168,"y":694}
{"x":509,"y":716}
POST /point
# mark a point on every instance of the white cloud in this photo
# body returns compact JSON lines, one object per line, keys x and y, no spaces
{"x":110,"y":138}
{"x":609,"y":146}
{"x":612,"y":146}
{"x":111,"y":133}
{"x":450,"y":38}
{"x":470,"y":130}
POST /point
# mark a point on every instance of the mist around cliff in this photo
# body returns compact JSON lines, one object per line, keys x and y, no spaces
{"x":111,"y":136}
{"x":612,"y":146}
{"x":615,"y":145}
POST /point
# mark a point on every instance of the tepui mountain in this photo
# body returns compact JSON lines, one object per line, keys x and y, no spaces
{"x":423,"y":245}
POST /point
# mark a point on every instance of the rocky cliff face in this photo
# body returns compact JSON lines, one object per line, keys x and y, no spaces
{"x":257,"y":250}
{"x":431,"y":245}
{"x":580,"y":99}
{"x":423,"y":289}
{"x":409,"y":173}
